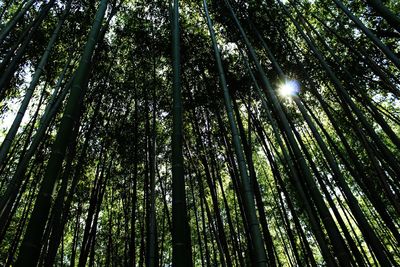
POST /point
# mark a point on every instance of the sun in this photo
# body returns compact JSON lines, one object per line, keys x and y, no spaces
{"x":289,"y":88}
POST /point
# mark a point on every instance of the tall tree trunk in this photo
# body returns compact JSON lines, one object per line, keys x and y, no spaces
{"x":29,"y":251}
{"x":181,"y":244}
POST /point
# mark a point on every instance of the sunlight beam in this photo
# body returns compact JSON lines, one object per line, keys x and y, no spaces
{"x":289,"y":88}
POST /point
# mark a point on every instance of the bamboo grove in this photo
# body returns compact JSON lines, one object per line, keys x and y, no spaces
{"x":199,"y":133}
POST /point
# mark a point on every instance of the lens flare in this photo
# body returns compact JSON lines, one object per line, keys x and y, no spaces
{"x":289,"y":88}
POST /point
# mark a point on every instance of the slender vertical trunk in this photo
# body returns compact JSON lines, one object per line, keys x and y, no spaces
{"x":8,"y":72}
{"x":260,"y":258}
{"x":5,"y":146}
{"x":181,"y":248}
{"x":11,"y":24}
{"x":386,"y":13}
{"x":391,"y":56}
{"x":29,"y":251}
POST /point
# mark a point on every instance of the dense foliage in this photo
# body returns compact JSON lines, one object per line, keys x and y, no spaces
{"x":199,"y":133}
